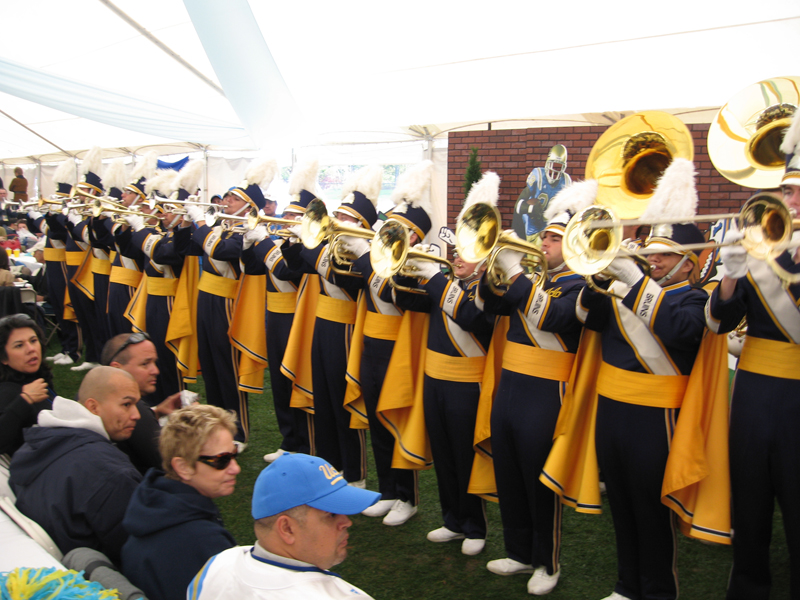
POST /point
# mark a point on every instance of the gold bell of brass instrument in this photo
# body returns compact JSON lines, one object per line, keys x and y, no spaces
{"x":745,"y":136}
{"x":390,"y":251}
{"x":479,"y":236}
{"x":630,"y":156}
{"x":316,"y":226}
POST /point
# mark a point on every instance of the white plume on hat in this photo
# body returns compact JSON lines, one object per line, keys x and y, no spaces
{"x":260,"y":173}
{"x":92,"y":161}
{"x":189,"y":177}
{"x":367,"y":180}
{"x":412,"y":188}
{"x":486,"y":190}
{"x":572,"y":199}
{"x":165,"y":181}
{"x":791,"y":139}
{"x":65,"y":172}
{"x":116,"y":174}
{"x":675,"y":195}
{"x":304,"y":176}
{"x":146,"y":167}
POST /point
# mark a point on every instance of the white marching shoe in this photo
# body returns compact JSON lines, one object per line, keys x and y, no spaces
{"x":85,"y":366}
{"x":273,"y":456}
{"x":56,"y":357}
{"x":66,"y":359}
{"x":400,"y":513}
{"x":379,"y":509}
{"x":541,"y":583}
{"x":508,"y":566}
{"x":443,"y":534}
{"x":472,"y":546}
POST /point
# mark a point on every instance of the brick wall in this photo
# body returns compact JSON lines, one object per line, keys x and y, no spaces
{"x":513,"y":153}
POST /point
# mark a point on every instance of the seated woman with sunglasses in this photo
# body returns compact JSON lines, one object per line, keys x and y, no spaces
{"x":25,"y":379}
{"x":173,"y":523}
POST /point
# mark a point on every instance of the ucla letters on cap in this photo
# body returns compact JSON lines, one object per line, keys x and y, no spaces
{"x":297,"y":479}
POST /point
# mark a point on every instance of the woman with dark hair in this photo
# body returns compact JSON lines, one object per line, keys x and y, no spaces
{"x":26,"y":382}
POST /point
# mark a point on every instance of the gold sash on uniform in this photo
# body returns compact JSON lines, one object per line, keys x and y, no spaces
{"x":282,"y":302}
{"x":218,"y":285}
{"x":296,"y":363}
{"x":55,"y":255}
{"x":468,"y":369}
{"x":353,"y":399}
{"x":182,"y":330}
{"x":125,"y":276}
{"x":770,"y":357}
{"x":247,"y":333}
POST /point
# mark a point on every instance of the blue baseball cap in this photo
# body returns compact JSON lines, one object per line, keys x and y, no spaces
{"x":297,"y":479}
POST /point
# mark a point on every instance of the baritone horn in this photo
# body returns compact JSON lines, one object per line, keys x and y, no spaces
{"x":390,"y":251}
{"x":317,"y":226}
{"x":479,"y":236}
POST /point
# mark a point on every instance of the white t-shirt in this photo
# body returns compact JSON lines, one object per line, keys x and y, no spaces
{"x":252,"y":573}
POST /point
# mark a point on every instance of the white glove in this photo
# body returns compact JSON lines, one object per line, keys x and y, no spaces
{"x":195,"y":213}
{"x":251,"y":236}
{"x":423,"y":268}
{"x":509,"y":261}
{"x":734,"y":258}
{"x":625,"y":270}
{"x":74,"y":217}
{"x":135,"y":221}
{"x":53,"y":209}
{"x":735,"y":344}
{"x":34,"y":214}
{"x":296,"y":230}
{"x":354,"y":245}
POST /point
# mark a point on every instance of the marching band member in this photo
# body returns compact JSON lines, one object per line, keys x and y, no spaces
{"x":399,"y":488}
{"x":294,"y":424}
{"x":541,"y":343}
{"x":458,"y":338}
{"x":765,"y":416}
{"x":335,"y":441}
{"x":650,"y":339}
{"x":222,"y":250}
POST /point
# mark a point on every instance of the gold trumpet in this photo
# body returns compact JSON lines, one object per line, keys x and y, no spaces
{"x":391,"y":249}
{"x":316,"y":226}
{"x":174,"y":206}
{"x":275,"y":225}
{"x":118,"y":211}
{"x":479,"y":235}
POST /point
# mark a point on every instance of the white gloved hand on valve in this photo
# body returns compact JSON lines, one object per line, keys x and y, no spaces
{"x":734,"y":257}
{"x":195,"y":213}
{"x":625,"y":270}
{"x":34,"y":214}
{"x":135,"y":221}
{"x":74,"y":217}
{"x":355,"y":245}
{"x":423,"y":268}
{"x":509,"y":261}
{"x":252,"y":236}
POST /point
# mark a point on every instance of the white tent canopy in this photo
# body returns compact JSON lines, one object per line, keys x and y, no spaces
{"x":210,"y":75}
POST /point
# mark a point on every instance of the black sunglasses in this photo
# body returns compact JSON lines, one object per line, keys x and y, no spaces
{"x":220,"y":461}
{"x":133,"y":339}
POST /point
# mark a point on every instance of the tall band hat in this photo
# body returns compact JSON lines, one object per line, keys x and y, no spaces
{"x":162,"y":184}
{"x":791,"y":147}
{"x":115,"y":177}
{"x":568,"y":202}
{"x":302,"y":183}
{"x":65,"y":178}
{"x":412,"y":199}
{"x":360,"y":195}
{"x":257,"y":178}
{"x":90,"y":170}
{"x":188,"y":180}
{"x":675,"y":197}
{"x":143,"y":170}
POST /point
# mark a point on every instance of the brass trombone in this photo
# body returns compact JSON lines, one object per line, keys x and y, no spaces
{"x":316,"y":226}
{"x":390,"y":251}
{"x":478,"y":236}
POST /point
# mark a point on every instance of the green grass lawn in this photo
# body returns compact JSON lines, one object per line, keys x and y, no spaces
{"x":394,"y":563}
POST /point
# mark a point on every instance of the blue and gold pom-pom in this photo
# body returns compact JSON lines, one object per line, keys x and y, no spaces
{"x":51,"y":584}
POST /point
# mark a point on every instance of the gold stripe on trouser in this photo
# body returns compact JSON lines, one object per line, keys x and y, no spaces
{"x":336,"y":310}
{"x":162,"y":286}
{"x":644,"y":389}
{"x":281,"y":302}
{"x":100,"y":266}
{"x":537,"y":362}
{"x":55,"y":254}
{"x":771,"y":358}
{"x":382,"y":327}
{"x":74,"y":259}
{"x":218,"y":286}
{"x":125,"y":276}
{"x":467,"y":369}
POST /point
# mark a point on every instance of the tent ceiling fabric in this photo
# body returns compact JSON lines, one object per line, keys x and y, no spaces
{"x":360,"y":71}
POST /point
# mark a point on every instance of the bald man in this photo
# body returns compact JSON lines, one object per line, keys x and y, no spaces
{"x":69,"y":476}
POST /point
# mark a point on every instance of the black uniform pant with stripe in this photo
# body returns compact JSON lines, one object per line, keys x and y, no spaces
{"x":119,"y":295}
{"x":524,"y":416}
{"x":393,"y":484}
{"x":87,"y":318}
{"x":450,"y":411}
{"x":102,"y":322}
{"x":335,"y":441}
{"x":219,"y":360}
{"x":765,"y":465}
{"x":293,"y":423}
{"x":69,"y":334}
{"x":157,"y":314}
{"x":632,"y":447}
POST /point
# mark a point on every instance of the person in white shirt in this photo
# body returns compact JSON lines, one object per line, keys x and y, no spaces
{"x":300,"y":507}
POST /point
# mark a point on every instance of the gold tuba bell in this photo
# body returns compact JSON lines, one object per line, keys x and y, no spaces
{"x":745,"y":136}
{"x":316,"y":226}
